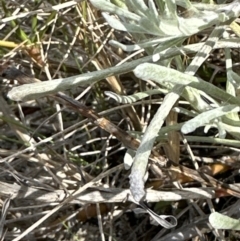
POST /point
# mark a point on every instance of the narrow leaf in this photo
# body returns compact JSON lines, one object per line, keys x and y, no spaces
{"x":161,"y":74}
{"x":121,"y":26}
{"x":207,"y":116}
{"x":109,"y":7}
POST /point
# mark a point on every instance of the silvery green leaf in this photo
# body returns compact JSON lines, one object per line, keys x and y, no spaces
{"x":111,"y":8}
{"x":37,"y":90}
{"x":132,"y":7}
{"x":229,"y":11}
{"x":137,"y":180}
{"x":197,"y":23}
{"x":118,"y":25}
{"x":135,"y":97}
{"x":161,"y":74}
{"x":184,"y":111}
{"x":167,"y":44}
{"x":212,"y":140}
{"x":153,"y":10}
{"x":138,"y":6}
{"x":193,"y":96}
{"x":221,"y":131}
{"x":170,"y":24}
{"x":120,"y":3}
{"x":170,"y":9}
{"x":147,"y":43}
{"x":143,"y":152}
{"x":141,"y":159}
{"x":186,"y":4}
{"x":180,"y":65}
{"x":161,"y":6}
{"x":207,"y":116}
{"x":149,"y":71}
{"x":220,"y":221}
{"x":151,"y":27}
{"x":231,"y":122}
{"x":170,"y":27}
{"x":233,"y":130}
{"x":142,"y":10}
{"x":225,"y":12}
{"x":188,"y":26}
{"x":166,"y":129}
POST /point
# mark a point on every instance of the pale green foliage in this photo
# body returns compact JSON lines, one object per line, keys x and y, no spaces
{"x":220,"y":221}
{"x":157,"y":28}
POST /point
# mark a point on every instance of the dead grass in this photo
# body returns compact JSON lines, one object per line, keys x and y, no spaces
{"x":62,"y":178}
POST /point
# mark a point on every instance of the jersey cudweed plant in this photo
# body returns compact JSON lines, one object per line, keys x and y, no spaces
{"x":161,"y":31}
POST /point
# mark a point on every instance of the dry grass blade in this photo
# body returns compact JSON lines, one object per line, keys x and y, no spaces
{"x":102,"y":195}
{"x":5,"y":207}
{"x":67,"y":200}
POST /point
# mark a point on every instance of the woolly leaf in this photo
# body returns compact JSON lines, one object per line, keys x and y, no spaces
{"x":122,"y":26}
{"x":111,"y":8}
{"x":220,"y":221}
{"x":207,"y":116}
{"x":161,"y":74}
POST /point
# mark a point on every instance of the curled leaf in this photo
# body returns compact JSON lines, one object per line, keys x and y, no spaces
{"x":159,"y":219}
{"x":133,"y":98}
